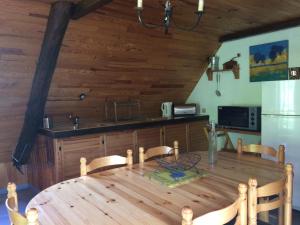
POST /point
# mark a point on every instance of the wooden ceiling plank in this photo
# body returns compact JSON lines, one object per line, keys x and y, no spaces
{"x":261,"y":30}
{"x":86,"y":6}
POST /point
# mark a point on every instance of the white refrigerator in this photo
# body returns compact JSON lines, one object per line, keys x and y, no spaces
{"x":281,"y":123}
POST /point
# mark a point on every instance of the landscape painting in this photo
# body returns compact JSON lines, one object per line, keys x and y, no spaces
{"x":269,"y":61}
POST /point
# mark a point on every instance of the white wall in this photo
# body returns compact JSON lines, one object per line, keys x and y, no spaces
{"x":242,"y":91}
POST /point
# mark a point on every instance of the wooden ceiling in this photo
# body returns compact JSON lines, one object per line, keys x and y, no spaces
{"x":108,"y":55}
{"x":221,"y":17}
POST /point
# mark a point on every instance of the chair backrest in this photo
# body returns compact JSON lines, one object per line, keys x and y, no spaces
{"x":223,"y":134}
{"x":158,"y":151}
{"x":282,"y":188}
{"x":222,"y":216}
{"x":262,"y":149}
{"x":15,"y":217}
{"x":101,"y":162}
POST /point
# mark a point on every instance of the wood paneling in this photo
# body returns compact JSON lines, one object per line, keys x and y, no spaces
{"x":57,"y":25}
{"x":74,"y":148}
{"x":148,"y":138}
{"x":42,"y":161}
{"x":8,"y":173}
{"x":117,"y":143}
{"x":55,"y":160}
{"x":108,"y":55}
{"x":178,"y":133}
{"x":197,"y":139}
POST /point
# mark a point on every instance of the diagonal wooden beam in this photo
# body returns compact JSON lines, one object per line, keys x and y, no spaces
{"x":261,"y":30}
{"x":86,"y":6}
{"x":58,"y":21}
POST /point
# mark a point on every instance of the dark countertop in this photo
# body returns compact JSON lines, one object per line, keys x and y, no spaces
{"x":102,"y":127}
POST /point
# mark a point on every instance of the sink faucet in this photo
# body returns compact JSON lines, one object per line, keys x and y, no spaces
{"x":74,"y":120}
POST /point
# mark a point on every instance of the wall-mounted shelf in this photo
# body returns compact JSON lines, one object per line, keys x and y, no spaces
{"x":235,"y":70}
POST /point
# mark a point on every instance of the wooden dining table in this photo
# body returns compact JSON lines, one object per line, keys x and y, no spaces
{"x":126,"y":196}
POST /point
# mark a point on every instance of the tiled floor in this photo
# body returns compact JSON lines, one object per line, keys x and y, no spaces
{"x":25,"y":195}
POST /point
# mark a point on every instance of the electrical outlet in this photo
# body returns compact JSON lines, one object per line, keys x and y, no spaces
{"x":203,"y":110}
{"x":294,"y":73}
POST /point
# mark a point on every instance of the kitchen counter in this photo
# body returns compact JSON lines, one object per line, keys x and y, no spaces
{"x":57,"y":151}
{"x":99,"y":127}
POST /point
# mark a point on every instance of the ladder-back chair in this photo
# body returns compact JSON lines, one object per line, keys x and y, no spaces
{"x":263,"y":150}
{"x":281,"y":189}
{"x":222,"y":216}
{"x":158,"y":151}
{"x":106,"y":161}
{"x":16,"y":218}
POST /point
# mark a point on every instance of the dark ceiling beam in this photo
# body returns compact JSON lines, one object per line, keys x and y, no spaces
{"x":58,"y":21}
{"x":86,"y":6}
{"x":261,"y":30}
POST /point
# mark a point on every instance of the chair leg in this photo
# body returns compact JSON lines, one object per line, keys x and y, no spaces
{"x":288,"y":195}
{"x":280,"y":215}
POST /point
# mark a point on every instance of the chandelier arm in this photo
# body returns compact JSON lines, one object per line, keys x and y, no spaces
{"x":141,"y":21}
{"x":199,"y":16}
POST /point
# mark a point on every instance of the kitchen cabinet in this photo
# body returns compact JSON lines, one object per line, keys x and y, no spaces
{"x":176,"y":132}
{"x":72,"y":149}
{"x":117,"y":143}
{"x":196,"y":136}
{"x":148,"y":138}
{"x":59,"y":157}
{"x":91,"y":147}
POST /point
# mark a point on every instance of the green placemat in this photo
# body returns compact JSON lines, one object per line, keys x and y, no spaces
{"x":163,"y":176}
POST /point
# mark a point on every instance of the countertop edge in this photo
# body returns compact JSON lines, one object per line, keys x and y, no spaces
{"x":119,"y":127}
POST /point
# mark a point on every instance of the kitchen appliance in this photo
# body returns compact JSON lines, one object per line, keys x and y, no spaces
{"x":281,"y":124}
{"x":166,"y":109}
{"x":185,"y":110}
{"x":240,"y":117}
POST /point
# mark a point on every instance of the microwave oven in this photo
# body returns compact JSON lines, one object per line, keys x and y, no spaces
{"x":240,"y":117}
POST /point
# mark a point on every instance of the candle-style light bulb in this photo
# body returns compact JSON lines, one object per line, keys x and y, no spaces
{"x":140,"y":3}
{"x":201,"y":6}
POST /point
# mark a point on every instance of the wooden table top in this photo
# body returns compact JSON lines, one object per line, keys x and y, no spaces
{"x":125,"y":196}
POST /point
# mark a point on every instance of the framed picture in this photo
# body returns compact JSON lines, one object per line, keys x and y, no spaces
{"x":269,"y":61}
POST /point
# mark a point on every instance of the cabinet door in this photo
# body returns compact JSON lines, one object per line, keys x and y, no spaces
{"x":73,"y":148}
{"x":176,"y":132}
{"x":117,"y":143}
{"x":197,"y":137}
{"x":148,"y":138}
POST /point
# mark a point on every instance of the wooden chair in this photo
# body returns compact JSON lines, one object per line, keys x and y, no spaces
{"x":16,"y":218}
{"x":261,"y":149}
{"x":158,"y":151}
{"x":282,"y":188}
{"x":222,"y":134}
{"x":98,"y":163}
{"x":221,"y":216}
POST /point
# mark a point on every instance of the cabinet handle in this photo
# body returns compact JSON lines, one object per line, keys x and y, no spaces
{"x":103,"y":141}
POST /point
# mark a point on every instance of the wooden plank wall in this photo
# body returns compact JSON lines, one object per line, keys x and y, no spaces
{"x":21,"y":31}
{"x":106,"y":55}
